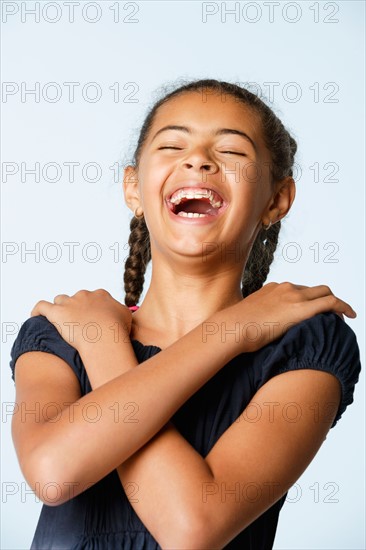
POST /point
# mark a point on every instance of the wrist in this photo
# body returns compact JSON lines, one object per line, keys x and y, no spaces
{"x":221,"y":331}
{"x":229,"y":329}
{"x":105,"y":360}
{"x":102,"y":337}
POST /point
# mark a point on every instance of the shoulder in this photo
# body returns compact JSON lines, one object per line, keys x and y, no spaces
{"x":39,"y":334}
{"x":324,"y":337}
{"x":320,"y":338}
{"x":322,"y":342}
{"x":35,"y":334}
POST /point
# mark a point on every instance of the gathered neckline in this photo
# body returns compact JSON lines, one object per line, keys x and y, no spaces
{"x":133,"y":309}
{"x":145,"y":345}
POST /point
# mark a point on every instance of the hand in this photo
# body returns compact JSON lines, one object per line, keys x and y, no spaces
{"x":282,"y":306}
{"x":87,"y":317}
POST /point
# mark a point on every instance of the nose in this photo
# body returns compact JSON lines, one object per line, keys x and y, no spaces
{"x":200,"y":162}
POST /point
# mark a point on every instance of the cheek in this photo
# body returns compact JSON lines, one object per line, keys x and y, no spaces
{"x":250,"y":202}
{"x":248,"y":194}
{"x":254,"y":189}
{"x":160,"y":170}
{"x":247,"y":174}
{"x":256,"y":173}
{"x":151,"y":178}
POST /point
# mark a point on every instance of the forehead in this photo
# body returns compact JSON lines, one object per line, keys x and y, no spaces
{"x":207,"y":111}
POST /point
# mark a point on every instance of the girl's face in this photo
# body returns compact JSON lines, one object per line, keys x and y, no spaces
{"x":203,"y":179}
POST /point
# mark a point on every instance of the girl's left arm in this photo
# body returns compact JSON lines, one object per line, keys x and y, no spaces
{"x":187,"y":501}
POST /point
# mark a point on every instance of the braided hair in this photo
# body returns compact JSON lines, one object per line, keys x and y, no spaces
{"x":138,"y":258}
{"x":282,"y":147}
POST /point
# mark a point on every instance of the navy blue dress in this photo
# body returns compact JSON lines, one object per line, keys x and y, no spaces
{"x":102,"y":517}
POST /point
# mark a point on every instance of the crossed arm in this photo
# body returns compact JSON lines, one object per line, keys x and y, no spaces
{"x":257,"y":462}
{"x":180,"y":494}
{"x":176,"y":486}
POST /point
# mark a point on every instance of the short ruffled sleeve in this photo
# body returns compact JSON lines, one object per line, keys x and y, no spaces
{"x":39,"y":334}
{"x":323,"y":342}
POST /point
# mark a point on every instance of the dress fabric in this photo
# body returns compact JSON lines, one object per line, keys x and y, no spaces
{"x":102,"y":518}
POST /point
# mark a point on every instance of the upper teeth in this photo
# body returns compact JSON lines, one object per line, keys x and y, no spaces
{"x":177,"y":197}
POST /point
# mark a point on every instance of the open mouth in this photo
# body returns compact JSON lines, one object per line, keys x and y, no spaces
{"x":195,"y":203}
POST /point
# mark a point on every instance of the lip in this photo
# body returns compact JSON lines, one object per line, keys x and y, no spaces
{"x":197,"y":185}
{"x":195,"y":221}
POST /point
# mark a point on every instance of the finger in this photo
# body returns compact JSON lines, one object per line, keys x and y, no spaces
{"x":332,"y":303}
{"x":300,"y":287}
{"x":320,"y":291}
{"x":60,"y":298}
{"x":312,"y":292}
{"x":42,"y":308}
{"x":271,"y":286}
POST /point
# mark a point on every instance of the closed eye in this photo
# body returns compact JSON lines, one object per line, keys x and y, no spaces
{"x":234,"y":153}
{"x":180,"y":148}
{"x":170,"y":147}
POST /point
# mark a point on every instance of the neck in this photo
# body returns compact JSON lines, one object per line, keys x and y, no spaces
{"x":178,"y":299}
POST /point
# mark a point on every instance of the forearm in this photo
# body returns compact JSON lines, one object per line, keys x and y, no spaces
{"x":155,"y":470}
{"x":168,"y":476}
{"x":175,"y":373}
{"x":102,"y":365}
{"x":98,"y":377}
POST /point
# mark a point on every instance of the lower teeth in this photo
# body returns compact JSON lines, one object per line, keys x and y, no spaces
{"x":191,"y":215}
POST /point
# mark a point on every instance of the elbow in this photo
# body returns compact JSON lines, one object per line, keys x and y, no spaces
{"x":48,"y":479}
{"x":188,"y":532}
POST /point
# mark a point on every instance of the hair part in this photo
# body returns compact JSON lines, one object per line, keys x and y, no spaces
{"x":282,"y":147}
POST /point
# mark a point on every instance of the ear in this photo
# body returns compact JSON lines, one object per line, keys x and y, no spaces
{"x":282,"y":200}
{"x":131,"y":188}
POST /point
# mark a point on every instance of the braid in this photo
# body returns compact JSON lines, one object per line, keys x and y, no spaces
{"x":260,"y":259}
{"x":138,"y":258}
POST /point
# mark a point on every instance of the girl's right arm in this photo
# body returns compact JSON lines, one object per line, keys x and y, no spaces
{"x":87,"y":437}
{"x":66,"y":442}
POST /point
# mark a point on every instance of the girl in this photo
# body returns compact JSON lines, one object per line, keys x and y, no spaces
{"x":184,"y":424}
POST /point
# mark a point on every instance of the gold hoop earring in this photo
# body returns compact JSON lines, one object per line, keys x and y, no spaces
{"x":138,"y":213}
{"x":266,"y":227}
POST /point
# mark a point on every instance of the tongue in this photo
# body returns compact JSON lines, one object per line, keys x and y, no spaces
{"x":198,"y":206}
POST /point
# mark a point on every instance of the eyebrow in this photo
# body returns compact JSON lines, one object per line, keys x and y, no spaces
{"x":219,"y":132}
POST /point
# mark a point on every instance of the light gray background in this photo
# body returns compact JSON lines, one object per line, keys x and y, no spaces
{"x":167,"y":41}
